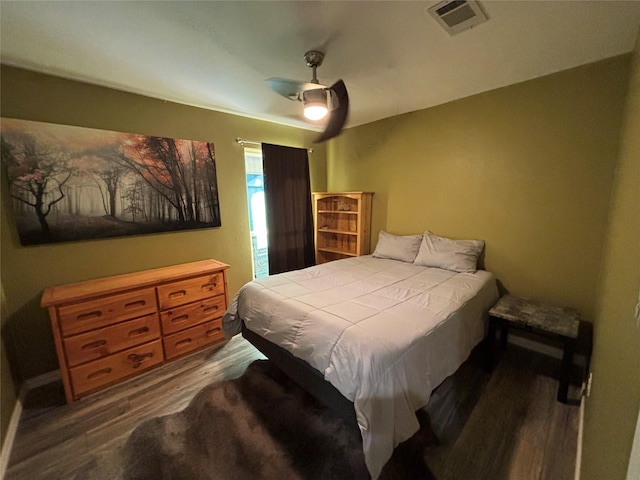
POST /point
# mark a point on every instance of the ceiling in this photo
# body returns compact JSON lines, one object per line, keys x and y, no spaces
{"x":393,"y":56}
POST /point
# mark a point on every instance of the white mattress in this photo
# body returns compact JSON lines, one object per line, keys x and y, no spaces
{"x":385,"y":333}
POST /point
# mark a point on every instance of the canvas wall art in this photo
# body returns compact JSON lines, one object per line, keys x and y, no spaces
{"x":71,"y":183}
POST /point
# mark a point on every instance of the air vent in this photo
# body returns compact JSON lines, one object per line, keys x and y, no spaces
{"x":456,"y":16}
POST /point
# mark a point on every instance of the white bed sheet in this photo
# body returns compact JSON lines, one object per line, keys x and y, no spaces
{"x":384,"y":333}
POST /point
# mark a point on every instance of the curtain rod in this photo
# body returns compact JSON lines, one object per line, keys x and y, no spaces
{"x":244,"y":142}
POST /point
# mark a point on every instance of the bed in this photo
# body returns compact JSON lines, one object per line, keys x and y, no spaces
{"x":382,"y":330}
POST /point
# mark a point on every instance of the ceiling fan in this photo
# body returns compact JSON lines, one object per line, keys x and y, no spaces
{"x":319,"y":100}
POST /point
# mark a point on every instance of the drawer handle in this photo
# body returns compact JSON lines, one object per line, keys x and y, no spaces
{"x":137,"y":359}
{"x":96,"y":344}
{"x":183,"y":343}
{"x":99,"y":373}
{"x":138,"y":331}
{"x":179,"y":293}
{"x":89,"y":315}
{"x":209,"y":286}
{"x":213,"y":331}
{"x":209,"y":308}
{"x":137,"y":303}
{"x":180,"y":318}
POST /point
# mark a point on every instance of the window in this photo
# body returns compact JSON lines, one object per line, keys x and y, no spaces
{"x":257,"y":212}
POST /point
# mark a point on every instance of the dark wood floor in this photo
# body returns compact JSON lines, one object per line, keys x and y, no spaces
{"x":504,"y":425}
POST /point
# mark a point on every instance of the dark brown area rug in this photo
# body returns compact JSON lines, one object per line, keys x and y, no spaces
{"x":261,"y":426}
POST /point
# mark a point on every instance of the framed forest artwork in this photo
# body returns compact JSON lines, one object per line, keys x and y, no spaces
{"x":71,"y":183}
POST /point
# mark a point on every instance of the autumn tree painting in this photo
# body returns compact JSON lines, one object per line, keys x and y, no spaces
{"x":71,"y":183}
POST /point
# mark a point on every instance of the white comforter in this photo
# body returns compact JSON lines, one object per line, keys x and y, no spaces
{"x":385,"y":333}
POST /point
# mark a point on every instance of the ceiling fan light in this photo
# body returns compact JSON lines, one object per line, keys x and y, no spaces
{"x":315,"y":112}
{"x":315,"y":104}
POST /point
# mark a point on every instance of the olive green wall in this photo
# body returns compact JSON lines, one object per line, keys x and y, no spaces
{"x":530,"y":169}
{"x":612,"y":408}
{"x":26,"y":271}
{"x":527,"y":167}
{"x":7,"y":389}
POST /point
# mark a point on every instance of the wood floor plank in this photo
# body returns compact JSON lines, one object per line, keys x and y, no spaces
{"x":561,"y":442}
{"x":505,"y":425}
{"x":496,"y":441}
{"x":526,"y":461}
{"x":531,"y":439}
{"x":51,"y":462}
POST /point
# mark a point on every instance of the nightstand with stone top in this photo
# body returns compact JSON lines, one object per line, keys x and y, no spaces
{"x":562,"y":324}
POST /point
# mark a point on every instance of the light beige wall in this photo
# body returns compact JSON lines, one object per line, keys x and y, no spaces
{"x":612,"y":408}
{"x":528,"y":168}
{"x":26,"y":271}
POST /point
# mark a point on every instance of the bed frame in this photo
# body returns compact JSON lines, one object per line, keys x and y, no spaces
{"x":304,"y":375}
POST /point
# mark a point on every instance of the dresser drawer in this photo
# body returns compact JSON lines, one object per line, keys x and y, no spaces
{"x":106,"y":341}
{"x":186,"y":316}
{"x":91,"y":376}
{"x":193,"y":338}
{"x":84,"y":316}
{"x":190,"y":290}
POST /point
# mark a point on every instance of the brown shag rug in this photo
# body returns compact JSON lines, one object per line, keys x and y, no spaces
{"x":261,"y":426}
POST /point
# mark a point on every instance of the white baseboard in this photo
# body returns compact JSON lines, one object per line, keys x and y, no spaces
{"x":633,"y":469}
{"x":12,"y":428}
{"x":580,"y":431}
{"x":545,"y":349}
{"x":40,"y":380}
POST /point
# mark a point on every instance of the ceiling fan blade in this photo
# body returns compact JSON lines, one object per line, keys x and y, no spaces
{"x":291,"y":88}
{"x":338,"y":117}
{"x":285,"y":87}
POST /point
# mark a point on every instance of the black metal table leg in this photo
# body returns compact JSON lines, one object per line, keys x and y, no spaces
{"x":491,"y":337}
{"x":565,"y":369}
{"x":504,"y":333}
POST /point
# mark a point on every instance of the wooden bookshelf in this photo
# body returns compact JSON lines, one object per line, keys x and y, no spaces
{"x":342,"y":224}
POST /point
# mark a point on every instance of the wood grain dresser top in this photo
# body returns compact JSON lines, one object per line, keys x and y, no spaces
{"x":74,"y":292}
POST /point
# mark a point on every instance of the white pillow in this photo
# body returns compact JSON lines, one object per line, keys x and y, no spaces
{"x":396,"y":247}
{"x":455,"y":255}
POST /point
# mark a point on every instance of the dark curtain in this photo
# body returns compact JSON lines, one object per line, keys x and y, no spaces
{"x":287,"y":193}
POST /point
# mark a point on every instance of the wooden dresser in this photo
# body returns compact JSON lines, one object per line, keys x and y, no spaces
{"x":111,"y":329}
